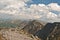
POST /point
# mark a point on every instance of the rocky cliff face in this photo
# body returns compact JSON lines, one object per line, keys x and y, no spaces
{"x":55,"y":34}
{"x":51,"y":31}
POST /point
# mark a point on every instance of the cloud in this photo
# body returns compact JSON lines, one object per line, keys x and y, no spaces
{"x":44,"y":11}
{"x":19,"y":9}
{"x":54,"y":6}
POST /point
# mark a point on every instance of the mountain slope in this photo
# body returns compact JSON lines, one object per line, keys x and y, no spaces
{"x":32,"y":27}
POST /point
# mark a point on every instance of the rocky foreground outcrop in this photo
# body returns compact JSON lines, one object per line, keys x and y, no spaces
{"x":13,"y":34}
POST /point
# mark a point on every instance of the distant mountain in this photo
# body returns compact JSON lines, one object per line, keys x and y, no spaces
{"x":32,"y":27}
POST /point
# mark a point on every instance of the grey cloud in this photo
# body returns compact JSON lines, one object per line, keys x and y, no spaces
{"x":2,"y":6}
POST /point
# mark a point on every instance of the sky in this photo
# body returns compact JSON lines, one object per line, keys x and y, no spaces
{"x":45,"y":1}
{"x":45,"y":10}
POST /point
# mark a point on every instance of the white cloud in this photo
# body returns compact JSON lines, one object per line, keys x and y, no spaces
{"x":51,"y":15}
{"x":54,"y":6}
{"x":40,"y":11}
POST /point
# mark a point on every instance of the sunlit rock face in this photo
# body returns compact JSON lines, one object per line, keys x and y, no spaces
{"x":12,"y":34}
